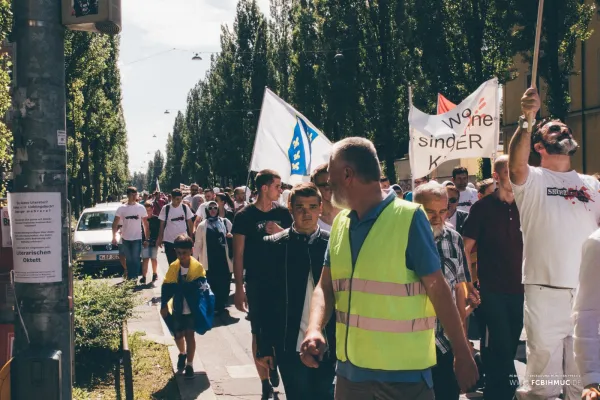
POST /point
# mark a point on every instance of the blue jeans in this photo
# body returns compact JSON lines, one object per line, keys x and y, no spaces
{"x":133,"y":257}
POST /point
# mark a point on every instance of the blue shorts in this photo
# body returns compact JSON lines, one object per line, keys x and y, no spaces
{"x":150,"y":252}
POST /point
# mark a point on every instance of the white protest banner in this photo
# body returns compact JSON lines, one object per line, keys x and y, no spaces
{"x":35,"y":223}
{"x":287,"y":142}
{"x":467,"y":131}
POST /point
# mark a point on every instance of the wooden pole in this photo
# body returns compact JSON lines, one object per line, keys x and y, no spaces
{"x":410,"y":143}
{"x":536,"y":53}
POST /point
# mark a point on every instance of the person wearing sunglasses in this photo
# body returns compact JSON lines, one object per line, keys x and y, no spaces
{"x":456,"y":218}
{"x":211,"y":249}
{"x":320,"y":177}
{"x":559,"y":209}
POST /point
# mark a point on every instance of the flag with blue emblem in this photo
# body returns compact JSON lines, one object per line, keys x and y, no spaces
{"x":287,"y":142}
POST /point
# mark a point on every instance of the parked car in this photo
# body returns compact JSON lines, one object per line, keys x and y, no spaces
{"x":92,"y":237}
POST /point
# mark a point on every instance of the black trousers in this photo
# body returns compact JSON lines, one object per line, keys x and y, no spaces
{"x":219,"y":279}
{"x":503,"y":315}
{"x":445,"y":386}
{"x":304,"y":383}
{"x":170,"y":252}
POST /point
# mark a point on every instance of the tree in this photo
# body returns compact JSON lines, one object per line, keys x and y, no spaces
{"x":97,"y":163}
{"x":6,"y":139}
{"x":139,"y":180}
{"x":565,"y":22}
{"x":172,"y":176}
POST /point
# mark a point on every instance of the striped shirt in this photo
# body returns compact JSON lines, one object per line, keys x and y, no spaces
{"x":453,"y":262}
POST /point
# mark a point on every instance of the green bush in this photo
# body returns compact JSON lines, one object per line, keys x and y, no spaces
{"x":100,"y":309}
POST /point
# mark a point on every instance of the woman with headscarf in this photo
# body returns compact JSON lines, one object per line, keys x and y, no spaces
{"x":210,"y":248}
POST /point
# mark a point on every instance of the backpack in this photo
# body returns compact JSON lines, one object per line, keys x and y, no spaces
{"x":185,"y":208}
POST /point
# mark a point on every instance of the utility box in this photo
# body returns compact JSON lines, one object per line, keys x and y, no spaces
{"x":37,"y":374}
{"x":102,"y":16}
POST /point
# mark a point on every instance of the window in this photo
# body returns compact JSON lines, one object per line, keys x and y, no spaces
{"x":96,"y":221}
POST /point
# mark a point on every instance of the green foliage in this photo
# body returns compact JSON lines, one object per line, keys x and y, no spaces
{"x":97,"y":139}
{"x":565,"y":23}
{"x":437,"y":46}
{"x":6,"y":139}
{"x":100,"y":309}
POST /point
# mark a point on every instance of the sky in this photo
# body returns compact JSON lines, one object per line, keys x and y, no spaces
{"x":154,"y":77}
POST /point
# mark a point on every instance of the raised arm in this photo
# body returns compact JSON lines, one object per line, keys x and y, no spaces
{"x":520,"y":144}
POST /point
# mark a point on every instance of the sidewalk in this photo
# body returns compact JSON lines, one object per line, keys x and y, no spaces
{"x":149,"y":321}
{"x":223,"y":362}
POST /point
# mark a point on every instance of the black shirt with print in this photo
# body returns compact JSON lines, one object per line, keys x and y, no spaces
{"x":251,"y":222}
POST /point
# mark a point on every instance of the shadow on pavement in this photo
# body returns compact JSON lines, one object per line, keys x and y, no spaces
{"x":169,"y":392}
{"x":190,"y":389}
{"x":224,"y":319}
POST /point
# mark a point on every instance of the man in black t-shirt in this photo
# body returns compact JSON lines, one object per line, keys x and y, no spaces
{"x":251,"y":224}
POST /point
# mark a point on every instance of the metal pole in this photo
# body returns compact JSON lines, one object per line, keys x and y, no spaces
{"x":40,"y":167}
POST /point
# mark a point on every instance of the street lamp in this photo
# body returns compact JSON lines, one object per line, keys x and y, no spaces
{"x":339,"y":56}
{"x":197,"y":57}
{"x":249,"y":114}
{"x":154,"y":136}
{"x":167,"y":112}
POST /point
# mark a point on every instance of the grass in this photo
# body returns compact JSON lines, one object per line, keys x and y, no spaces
{"x":152,"y":375}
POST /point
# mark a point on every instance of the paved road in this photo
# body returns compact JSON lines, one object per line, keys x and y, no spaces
{"x":223,"y":363}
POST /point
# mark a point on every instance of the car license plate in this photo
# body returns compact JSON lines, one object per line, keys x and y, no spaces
{"x":107,"y":257}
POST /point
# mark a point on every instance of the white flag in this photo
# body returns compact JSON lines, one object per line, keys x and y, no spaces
{"x":287,"y":142}
{"x":470,"y":130}
{"x":157,"y":185}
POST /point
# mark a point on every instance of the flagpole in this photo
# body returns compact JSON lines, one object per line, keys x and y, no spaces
{"x":497,"y":141}
{"x":257,"y":129}
{"x":410,"y":141}
{"x":536,"y":53}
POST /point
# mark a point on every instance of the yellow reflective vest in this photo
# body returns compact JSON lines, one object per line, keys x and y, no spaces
{"x":384,"y":319}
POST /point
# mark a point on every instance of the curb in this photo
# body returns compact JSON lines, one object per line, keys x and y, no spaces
{"x":197,"y":389}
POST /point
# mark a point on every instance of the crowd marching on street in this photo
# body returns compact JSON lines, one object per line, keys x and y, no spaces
{"x":356,"y":289}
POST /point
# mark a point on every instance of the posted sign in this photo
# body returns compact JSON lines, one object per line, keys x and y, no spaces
{"x":36,"y":234}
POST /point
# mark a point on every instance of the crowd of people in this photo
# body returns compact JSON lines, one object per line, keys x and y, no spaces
{"x":357,"y":289}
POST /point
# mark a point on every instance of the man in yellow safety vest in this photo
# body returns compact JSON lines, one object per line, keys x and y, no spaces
{"x":384,"y":278}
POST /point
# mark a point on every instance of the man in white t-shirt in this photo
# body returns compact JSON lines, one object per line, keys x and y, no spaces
{"x":468,"y":196}
{"x":559,"y":209}
{"x":175,"y":219}
{"x":320,"y":177}
{"x":193,"y":191}
{"x":209,"y":195}
{"x":239,"y":198}
{"x":131,"y":216}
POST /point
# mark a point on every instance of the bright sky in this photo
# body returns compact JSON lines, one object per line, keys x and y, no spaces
{"x":163,"y":81}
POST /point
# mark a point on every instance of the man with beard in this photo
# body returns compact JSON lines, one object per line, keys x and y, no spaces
{"x":239,"y":199}
{"x":493,"y":225}
{"x":559,"y":209}
{"x":434,"y":199}
{"x":468,"y":195}
{"x":382,"y":274}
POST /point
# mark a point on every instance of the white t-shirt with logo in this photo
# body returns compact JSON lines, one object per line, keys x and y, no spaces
{"x":130,"y":216}
{"x":177,"y":223}
{"x":467,"y":198}
{"x":558,"y":210}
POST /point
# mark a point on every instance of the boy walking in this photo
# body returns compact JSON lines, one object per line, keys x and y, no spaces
{"x":181,"y":291}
